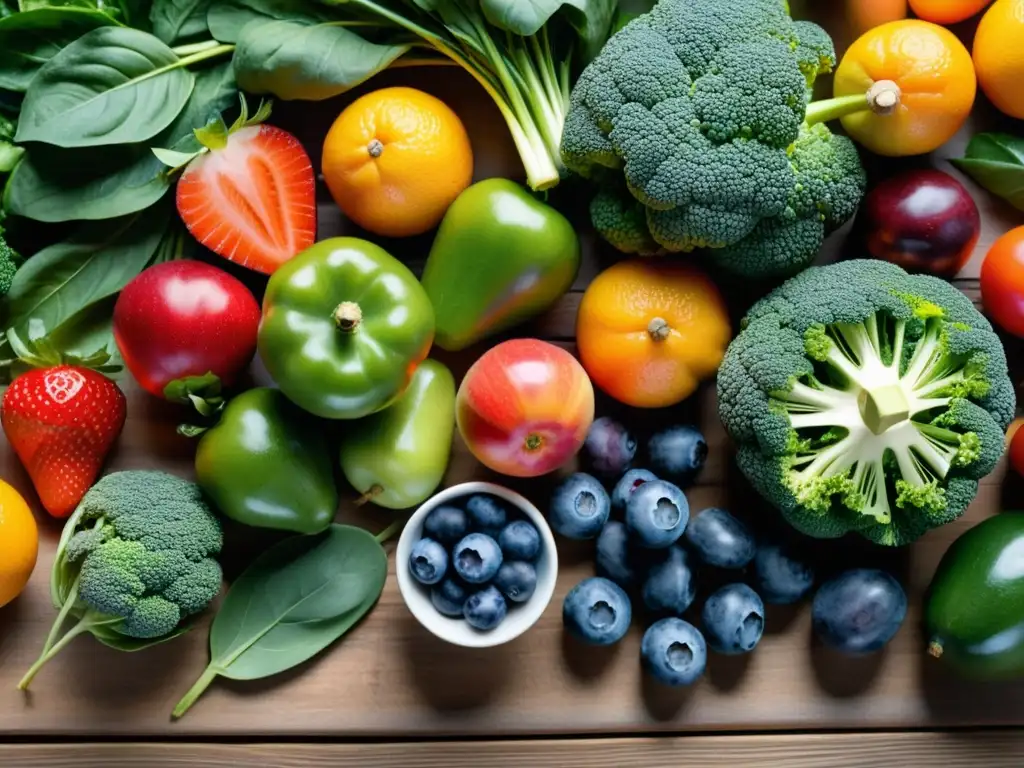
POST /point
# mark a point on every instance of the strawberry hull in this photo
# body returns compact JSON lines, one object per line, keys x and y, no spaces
{"x":524,"y":408}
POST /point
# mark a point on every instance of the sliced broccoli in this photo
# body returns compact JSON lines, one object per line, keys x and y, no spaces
{"x":135,"y":560}
{"x":866,"y":399}
{"x":703,"y":105}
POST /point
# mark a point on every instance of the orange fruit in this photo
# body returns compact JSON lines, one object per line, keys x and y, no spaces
{"x":19,"y":543}
{"x":649,"y":331}
{"x":999,"y":55}
{"x":865,"y":14}
{"x":934,"y":73}
{"x":395,"y":159}
{"x":947,"y":11}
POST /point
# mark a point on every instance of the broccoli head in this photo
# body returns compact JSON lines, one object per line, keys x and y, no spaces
{"x":701,"y":106}
{"x":136,"y":559}
{"x":865,"y":399}
{"x":8,"y":265}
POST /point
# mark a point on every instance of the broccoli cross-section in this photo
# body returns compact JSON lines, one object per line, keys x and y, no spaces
{"x":866,"y":399}
{"x":702,"y":106}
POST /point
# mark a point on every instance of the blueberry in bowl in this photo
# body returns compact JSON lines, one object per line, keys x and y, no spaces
{"x":657,"y":514}
{"x":499,"y":574}
{"x":597,"y":611}
{"x":580,"y":507}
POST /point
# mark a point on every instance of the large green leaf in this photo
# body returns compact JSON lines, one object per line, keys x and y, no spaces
{"x":114,"y":85}
{"x":177,"y":21}
{"x":996,"y":162}
{"x":227,"y":18}
{"x":97,"y":261}
{"x":591,"y":18}
{"x":31,"y":38}
{"x":293,"y":60}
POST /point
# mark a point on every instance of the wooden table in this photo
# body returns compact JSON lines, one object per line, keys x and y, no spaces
{"x":389,"y":694}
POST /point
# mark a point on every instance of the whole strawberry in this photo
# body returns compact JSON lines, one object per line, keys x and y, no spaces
{"x":61,"y":422}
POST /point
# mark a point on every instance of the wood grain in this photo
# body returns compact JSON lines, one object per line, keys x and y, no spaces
{"x":908,"y":750}
{"x":389,"y":677}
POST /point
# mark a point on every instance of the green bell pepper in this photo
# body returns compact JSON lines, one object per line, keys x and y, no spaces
{"x":397,"y":457}
{"x":266,"y":463}
{"x":344,"y":326}
{"x":500,"y":257}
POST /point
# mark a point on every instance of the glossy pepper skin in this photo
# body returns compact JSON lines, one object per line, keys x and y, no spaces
{"x":266,"y":463}
{"x":397,"y":457}
{"x":344,"y":326}
{"x":500,"y":257}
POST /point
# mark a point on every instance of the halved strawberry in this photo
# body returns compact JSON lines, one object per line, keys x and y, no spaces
{"x":251,"y":198}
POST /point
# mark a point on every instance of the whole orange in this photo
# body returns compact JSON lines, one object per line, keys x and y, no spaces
{"x":650,"y":331}
{"x":395,"y":159}
{"x":19,"y":543}
{"x":999,"y":55}
{"x":862,"y":15}
{"x":934,"y":73}
{"x":947,"y":11}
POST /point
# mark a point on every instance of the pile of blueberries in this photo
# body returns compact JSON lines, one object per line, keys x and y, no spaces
{"x":476,"y":560}
{"x":648,"y":550}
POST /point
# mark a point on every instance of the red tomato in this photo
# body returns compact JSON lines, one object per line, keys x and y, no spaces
{"x":186,"y":328}
{"x":1017,"y":450}
{"x":1002,"y":282}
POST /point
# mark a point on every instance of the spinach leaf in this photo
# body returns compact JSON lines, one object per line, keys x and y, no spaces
{"x":291,"y":603}
{"x":114,"y":85}
{"x":227,"y":17}
{"x":177,"y":21}
{"x":97,"y":261}
{"x":9,"y":155}
{"x":215,"y":92}
{"x":996,"y":162}
{"x":31,"y":38}
{"x":293,"y":60}
{"x":592,"y":19}
{"x":89,"y":332}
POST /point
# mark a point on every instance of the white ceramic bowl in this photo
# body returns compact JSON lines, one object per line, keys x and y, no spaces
{"x":457,"y":631}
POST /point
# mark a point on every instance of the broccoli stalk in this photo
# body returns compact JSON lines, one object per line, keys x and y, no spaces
{"x":882,"y":401}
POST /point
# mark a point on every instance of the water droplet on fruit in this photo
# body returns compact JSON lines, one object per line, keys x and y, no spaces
{"x":666,"y":514}
{"x":679,"y":655}
{"x":602,"y":615}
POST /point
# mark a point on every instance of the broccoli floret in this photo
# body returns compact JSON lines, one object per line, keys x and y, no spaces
{"x":703,"y":105}
{"x":865,"y":399}
{"x":136,"y":559}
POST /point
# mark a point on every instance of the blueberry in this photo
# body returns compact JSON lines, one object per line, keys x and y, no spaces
{"x":609,"y":448}
{"x":597,"y":611}
{"x":674,"y":652}
{"x":616,"y":559}
{"x":719,"y":539}
{"x":486,"y":514}
{"x":579,"y":507}
{"x":516,"y":580}
{"x":449,"y":597}
{"x":677,"y":453}
{"x":446,"y":524}
{"x":628,"y":483}
{"x":476,"y":558}
{"x":428,"y":561}
{"x":656,"y":514}
{"x":859,"y":611}
{"x":486,"y":609}
{"x":733,"y":619}
{"x":519,"y":540}
{"x":781,"y":579}
{"x":669,"y":586}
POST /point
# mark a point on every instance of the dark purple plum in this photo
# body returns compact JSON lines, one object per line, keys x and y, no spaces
{"x":859,"y":611}
{"x":609,"y":448}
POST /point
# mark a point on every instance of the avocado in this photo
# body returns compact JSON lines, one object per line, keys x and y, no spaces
{"x":975,"y":606}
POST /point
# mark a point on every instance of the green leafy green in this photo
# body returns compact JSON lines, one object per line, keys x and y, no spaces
{"x":295,"y":60}
{"x":97,"y":261}
{"x":996,"y":162}
{"x":113,"y":85}
{"x":179,"y":21}
{"x":227,"y":18}
{"x":591,"y":18}
{"x":31,"y":38}
{"x":291,"y":603}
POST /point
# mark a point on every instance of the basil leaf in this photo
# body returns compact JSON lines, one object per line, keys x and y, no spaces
{"x":176,"y":21}
{"x":97,"y":261}
{"x":996,"y":162}
{"x":292,"y":60}
{"x":291,"y":603}
{"x":227,"y":18}
{"x":31,"y":38}
{"x":114,"y":85}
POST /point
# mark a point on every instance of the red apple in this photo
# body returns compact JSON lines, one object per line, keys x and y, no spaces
{"x":524,"y":408}
{"x":922,"y":220}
